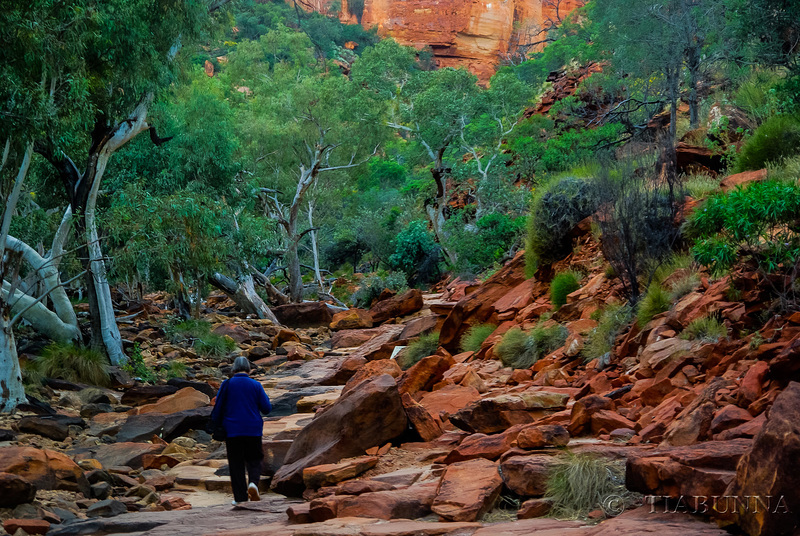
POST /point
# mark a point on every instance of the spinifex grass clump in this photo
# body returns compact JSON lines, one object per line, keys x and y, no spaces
{"x":423,"y":347}
{"x":656,"y":300}
{"x":706,"y":329}
{"x":74,"y":364}
{"x":562,"y":285}
{"x":580,"y":483}
{"x":520,"y":350}
{"x":611,"y":322}
{"x":198,"y":332}
{"x":474,"y":337}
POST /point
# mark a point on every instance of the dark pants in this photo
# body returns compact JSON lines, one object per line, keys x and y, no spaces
{"x":244,"y":453}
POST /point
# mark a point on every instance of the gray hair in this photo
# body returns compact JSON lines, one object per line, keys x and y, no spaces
{"x":241,"y":364}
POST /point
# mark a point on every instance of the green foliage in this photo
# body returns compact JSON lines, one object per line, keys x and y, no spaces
{"x":776,"y":139}
{"x":580,"y":483}
{"x":479,"y":246}
{"x":176,"y":369}
{"x":514,"y":349}
{"x":414,"y":247}
{"x":254,"y":19}
{"x":684,"y":285}
{"x":555,"y":210}
{"x":706,"y":329}
{"x":757,"y":95}
{"x":372,"y":286}
{"x":74,"y":364}
{"x":198,"y":333}
{"x":472,"y":340}
{"x":563,"y":283}
{"x":424,"y":346}
{"x":700,"y":186}
{"x":520,"y":350}
{"x":756,"y":221}
{"x":137,"y":368}
{"x":656,"y":300}
{"x":611,"y":322}
{"x":670,"y":265}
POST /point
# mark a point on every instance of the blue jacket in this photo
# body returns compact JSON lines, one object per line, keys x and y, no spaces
{"x":245,"y":401}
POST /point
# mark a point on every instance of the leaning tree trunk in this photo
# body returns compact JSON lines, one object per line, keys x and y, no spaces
{"x":244,"y":295}
{"x":293,"y":263}
{"x":109,"y":332}
{"x":12,"y":392}
{"x":436,"y":211}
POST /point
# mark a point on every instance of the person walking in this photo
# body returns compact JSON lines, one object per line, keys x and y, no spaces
{"x":240,"y":403}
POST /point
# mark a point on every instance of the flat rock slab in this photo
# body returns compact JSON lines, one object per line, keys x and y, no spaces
{"x":649,"y":520}
{"x":534,"y":527}
{"x":194,"y":522}
{"x":360,"y":526}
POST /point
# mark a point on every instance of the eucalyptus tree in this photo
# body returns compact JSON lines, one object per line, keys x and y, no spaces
{"x":306,"y":125}
{"x":100,"y":95}
{"x":485,"y":128}
{"x":667,"y":46}
{"x":37,"y":36}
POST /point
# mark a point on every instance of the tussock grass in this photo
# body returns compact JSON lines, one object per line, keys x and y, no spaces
{"x":655,"y":301}
{"x":198,"y":332}
{"x":423,"y":347}
{"x":700,"y":186}
{"x":581,"y":483}
{"x":474,"y":337}
{"x":611,"y":322}
{"x":73,"y":363}
{"x":684,"y":286}
{"x":520,"y":350}
{"x":562,"y":285}
{"x":708,"y":329}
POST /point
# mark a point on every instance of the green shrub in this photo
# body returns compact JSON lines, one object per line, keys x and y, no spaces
{"x":480,"y":245}
{"x":673,"y":263}
{"x":706,"y":329}
{"x":700,"y":186}
{"x":414,"y":248}
{"x":423,"y":347}
{"x":474,"y":337}
{"x":580,"y":483}
{"x":754,"y":95}
{"x":787,"y":170}
{"x":175,"y":369}
{"x":754,"y":222}
{"x":555,"y":210}
{"x":74,"y":364}
{"x":683,"y":286}
{"x":213,"y":345}
{"x":372,"y":286}
{"x":198,"y":333}
{"x":547,"y":339}
{"x":601,"y":340}
{"x":563,"y":284}
{"x":137,"y":368}
{"x":656,"y":300}
{"x":776,"y":139}
{"x":519,"y":350}
{"x":514,"y":349}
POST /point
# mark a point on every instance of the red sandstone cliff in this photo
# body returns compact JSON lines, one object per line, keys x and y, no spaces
{"x":476,"y":34}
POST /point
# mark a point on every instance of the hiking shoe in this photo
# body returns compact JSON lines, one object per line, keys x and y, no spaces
{"x":252,"y":492}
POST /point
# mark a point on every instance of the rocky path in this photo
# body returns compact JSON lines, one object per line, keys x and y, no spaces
{"x":195,"y":522}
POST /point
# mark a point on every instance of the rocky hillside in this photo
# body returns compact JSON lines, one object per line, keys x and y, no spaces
{"x":681,"y":419}
{"x":475,"y":35}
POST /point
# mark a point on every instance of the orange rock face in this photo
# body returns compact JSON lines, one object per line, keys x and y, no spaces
{"x":476,"y":34}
